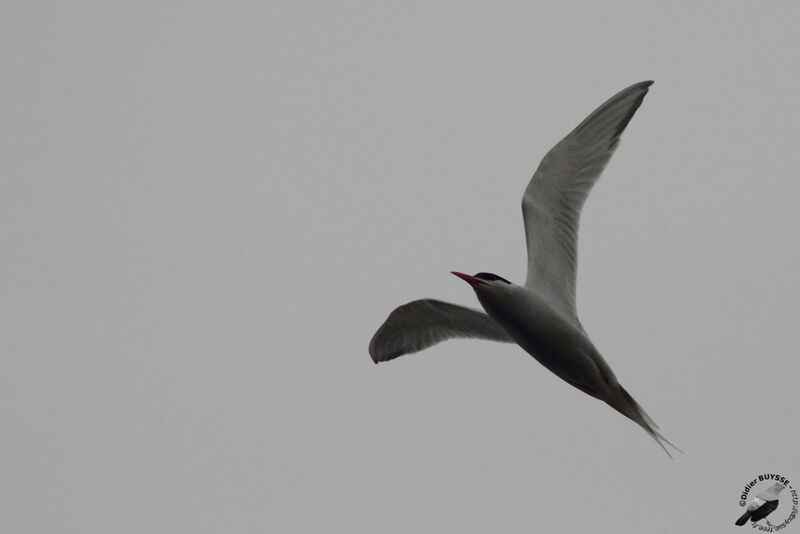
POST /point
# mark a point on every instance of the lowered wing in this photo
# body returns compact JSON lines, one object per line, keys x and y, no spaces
{"x":423,"y":323}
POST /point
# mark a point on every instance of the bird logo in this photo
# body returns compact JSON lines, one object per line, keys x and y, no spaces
{"x":762,"y":505}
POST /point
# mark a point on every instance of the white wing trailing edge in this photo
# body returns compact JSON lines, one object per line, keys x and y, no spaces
{"x":426,"y":322}
{"x":551,"y":205}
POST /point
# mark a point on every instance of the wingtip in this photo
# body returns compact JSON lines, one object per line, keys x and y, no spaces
{"x":373,"y":354}
{"x":645,"y":84}
{"x":642,"y":86}
{"x":376,"y":354}
{"x":383,"y":354}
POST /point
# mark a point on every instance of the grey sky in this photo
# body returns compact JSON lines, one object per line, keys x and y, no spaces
{"x":207,"y":210}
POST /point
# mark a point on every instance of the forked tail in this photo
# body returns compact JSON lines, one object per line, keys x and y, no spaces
{"x":627,"y":406}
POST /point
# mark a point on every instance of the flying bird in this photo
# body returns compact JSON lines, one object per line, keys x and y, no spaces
{"x":540,"y":316}
{"x":764,"y":504}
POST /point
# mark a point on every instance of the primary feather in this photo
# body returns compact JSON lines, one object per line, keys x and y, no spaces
{"x":551,"y":205}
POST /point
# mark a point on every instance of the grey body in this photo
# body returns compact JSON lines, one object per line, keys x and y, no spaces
{"x":540,"y":316}
{"x":545,"y":334}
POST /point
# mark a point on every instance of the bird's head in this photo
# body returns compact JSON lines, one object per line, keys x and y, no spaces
{"x":484,"y":281}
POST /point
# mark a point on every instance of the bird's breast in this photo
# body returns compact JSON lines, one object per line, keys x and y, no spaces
{"x":551,"y":339}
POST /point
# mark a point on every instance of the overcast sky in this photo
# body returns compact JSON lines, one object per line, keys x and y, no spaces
{"x":206,"y":210}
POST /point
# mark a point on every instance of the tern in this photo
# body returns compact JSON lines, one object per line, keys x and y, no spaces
{"x":539,"y":316}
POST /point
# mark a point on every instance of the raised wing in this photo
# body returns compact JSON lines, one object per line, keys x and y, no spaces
{"x":552,"y":203}
{"x":422,"y":323}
